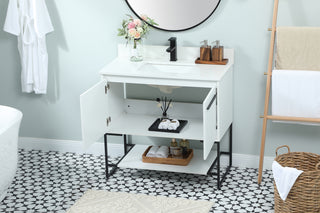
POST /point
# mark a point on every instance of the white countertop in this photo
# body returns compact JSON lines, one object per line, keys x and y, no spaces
{"x":183,"y":69}
{"x":125,"y":68}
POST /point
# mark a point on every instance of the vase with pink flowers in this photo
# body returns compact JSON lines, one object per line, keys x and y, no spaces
{"x":134,"y":30}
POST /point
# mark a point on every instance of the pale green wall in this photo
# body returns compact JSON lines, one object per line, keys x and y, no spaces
{"x":85,"y":40}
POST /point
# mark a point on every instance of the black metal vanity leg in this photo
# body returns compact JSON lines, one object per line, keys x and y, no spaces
{"x":114,"y":166}
{"x":217,"y":162}
{"x":125,"y":144}
{"x":230,"y":146}
{"x":106,"y":155}
{"x":218,"y":165}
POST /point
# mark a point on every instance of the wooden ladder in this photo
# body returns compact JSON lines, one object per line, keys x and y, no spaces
{"x":265,"y":116}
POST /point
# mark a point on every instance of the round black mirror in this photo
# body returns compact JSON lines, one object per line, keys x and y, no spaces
{"x":174,"y":15}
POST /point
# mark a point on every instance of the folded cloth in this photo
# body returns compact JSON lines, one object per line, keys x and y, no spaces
{"x":152,"y":151}
{"x":298,"y":48}
{"x":164,"y":124}
{"x":295,"y":93}
{"x":285,"y":177}
{"x":163,"y":152}
{"x":174,"y":124}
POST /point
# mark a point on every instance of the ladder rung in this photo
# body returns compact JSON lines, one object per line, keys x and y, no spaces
{"x":288,"y":118}
{"x":270,"y":29}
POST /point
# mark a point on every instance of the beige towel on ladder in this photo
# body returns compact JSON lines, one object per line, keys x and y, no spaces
{"x":298,"y":48}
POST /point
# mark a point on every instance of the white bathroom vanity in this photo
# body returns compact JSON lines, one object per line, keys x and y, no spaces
{"x":106,"y":109}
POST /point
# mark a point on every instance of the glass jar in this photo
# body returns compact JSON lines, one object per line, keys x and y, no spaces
{"x":184,"y":143}
{"x":136,"y":51}
{"x":173,"y":143}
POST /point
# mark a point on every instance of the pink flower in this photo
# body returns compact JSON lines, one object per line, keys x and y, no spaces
{"x":137,"y":35}
{"x":144,"y":17}
{"x":137,"y":22}
{"x":132,"y":32}
{"x":131,"y":25}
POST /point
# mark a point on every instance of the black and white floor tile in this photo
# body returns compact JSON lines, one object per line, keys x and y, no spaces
{"x":53,"y":181}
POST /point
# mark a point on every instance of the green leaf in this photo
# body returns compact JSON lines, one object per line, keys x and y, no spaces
{"x":123,"y":23}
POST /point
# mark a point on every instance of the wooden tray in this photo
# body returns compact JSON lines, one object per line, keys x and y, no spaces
{"x":169,"y":160}
{"x":223,"y":62}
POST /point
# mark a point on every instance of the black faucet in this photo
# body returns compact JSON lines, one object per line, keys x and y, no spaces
{"x":173,"y":48}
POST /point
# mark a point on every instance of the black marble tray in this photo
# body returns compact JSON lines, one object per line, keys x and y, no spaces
{"x":154,"y":126}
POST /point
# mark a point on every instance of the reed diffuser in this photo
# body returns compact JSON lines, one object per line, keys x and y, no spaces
{"x":164,"y":105}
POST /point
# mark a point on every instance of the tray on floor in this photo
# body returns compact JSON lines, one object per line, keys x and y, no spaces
{"x":169,"y":160}
{"x":154,"y":126}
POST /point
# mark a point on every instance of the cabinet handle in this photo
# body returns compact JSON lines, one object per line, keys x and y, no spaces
{"x":211,"y":102}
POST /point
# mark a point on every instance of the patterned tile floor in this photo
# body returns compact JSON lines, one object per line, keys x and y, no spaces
{"x":53,"y":181}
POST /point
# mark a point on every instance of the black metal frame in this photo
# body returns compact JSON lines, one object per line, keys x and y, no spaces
{"x":126,"y":151}
{"x":179,"y":30}
{"x":216,"y":162}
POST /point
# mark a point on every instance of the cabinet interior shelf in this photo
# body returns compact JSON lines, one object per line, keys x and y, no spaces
{"x":138,"y":124}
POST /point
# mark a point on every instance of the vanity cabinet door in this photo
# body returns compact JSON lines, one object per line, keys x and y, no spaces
{"x":94,"y":113}
{"x":209,"y":122}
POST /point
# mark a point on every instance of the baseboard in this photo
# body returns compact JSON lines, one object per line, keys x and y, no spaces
{"x":249,"y":161}
{"x":45,"y":144}
{"x":239,"y":160}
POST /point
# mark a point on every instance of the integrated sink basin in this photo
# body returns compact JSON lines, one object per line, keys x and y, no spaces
{"x":167,"y":68}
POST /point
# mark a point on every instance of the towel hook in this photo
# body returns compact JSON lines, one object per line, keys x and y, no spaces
{"x":282,"y":147}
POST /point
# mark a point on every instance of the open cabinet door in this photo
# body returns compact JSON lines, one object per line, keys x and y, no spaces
{"x":209,"y":122}
{"x":94,"y":113}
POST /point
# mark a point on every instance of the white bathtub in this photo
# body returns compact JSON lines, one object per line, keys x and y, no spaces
{"x":10,"y":119}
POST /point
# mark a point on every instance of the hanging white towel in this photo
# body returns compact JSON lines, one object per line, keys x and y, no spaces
{"x":30,"y":21}
{"x":285,"y":177}
{"x":295,"y":93}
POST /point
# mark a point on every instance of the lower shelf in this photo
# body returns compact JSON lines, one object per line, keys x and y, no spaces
{"x":196,"y":166}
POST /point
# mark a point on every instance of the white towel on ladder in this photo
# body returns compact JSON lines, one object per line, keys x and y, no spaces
{"x":295,"y":93}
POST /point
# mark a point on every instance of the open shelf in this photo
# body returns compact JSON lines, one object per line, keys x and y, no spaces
{"x":196,"y":166}
{"x":138,"y":124}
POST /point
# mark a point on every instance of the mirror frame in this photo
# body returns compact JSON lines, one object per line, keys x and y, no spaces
{"x":159,"y":28}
